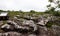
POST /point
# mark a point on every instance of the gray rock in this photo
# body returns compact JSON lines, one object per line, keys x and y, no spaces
{"x":56,"y":29}
{"x":31,"y":35}
{"x":1,"y":23}
{"x":43,"y":21}
{"x":27,"y":25}
{"x":10,"y":34}
{"x":6,"y":26}
{"x":30,"y":23}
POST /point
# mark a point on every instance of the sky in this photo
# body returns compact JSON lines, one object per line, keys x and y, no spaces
{"x":24,"y":5}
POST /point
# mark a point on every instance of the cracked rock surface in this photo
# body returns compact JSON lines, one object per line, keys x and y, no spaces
{"x":29,"y":26}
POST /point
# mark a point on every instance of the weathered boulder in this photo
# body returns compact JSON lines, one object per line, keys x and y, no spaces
{"x":13,"y":26}
{"x":43,"y":20}
{"x":30,"y":23}
{"x":10,"y":34}
{"x":56,"y":30}
{"x":31,"y":26}
{"x":32,"y":35}
{"x":1,"y":23}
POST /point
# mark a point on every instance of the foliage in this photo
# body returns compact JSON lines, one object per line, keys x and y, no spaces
{"x":49,"y":24}
{"x":50,"y":0}
{"x":1,"y":10}
{"x":32,"y":11}
{"x":57,"y":3}
{"x":56,"y":13}
{"x":51,"y":10}
{"x":12,"y":14}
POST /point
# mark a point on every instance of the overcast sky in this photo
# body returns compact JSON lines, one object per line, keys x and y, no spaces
{"x":25,"y":5}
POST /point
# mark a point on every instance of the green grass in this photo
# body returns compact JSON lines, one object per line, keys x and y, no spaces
{"x":12,"y":14}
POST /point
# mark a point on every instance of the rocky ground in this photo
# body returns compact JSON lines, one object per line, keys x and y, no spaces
{"x":31,"y":26}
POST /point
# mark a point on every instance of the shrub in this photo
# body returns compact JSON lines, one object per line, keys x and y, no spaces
{"x":49,"y":24}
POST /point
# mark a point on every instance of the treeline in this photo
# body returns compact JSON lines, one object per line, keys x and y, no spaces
{"x":55,"y":13}
{"x":51,"y":11}
{"x":16,"y":11}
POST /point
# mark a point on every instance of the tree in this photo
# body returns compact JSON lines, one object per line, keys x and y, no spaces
{"x":20,"y":11}
{"x":56,"y":2}
{"x":1,"y":10}
{"x":52,"y":9}
{"x":32,"y":11}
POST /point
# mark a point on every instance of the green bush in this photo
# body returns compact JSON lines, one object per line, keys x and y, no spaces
{"x":49,"y":24}
{"x":56,"y":13}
